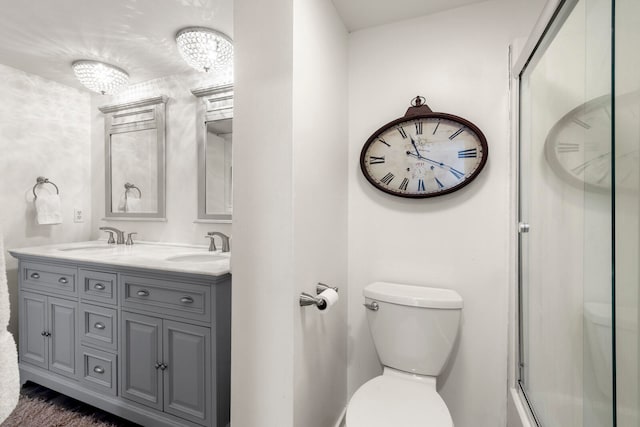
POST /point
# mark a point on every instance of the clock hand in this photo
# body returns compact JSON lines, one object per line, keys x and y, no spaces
{"x":454,"y":171}
{"x":414,"y":145}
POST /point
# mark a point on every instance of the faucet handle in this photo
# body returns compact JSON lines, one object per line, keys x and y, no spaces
{"x":212,"y":243}
{"x":129,"y":239}
{"x":111,"y":240}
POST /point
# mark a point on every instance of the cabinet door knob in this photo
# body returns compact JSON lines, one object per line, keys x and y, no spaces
{"x":43,"y":333}
{"x":98,"y":370}
{"x":186,"y":300}
{"x":163,"y":366}
{"x":99,"y":325}
{"x":157,"y":365}
{"x":99,"y":286}
{"x":63,"y":280}
{"x":143,"y":293}
{"x":35,"y":276}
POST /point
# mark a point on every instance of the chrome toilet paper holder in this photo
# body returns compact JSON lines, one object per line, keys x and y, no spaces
{"x":307,"y":299}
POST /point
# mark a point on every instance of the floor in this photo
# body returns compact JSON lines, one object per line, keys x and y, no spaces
{"x":67,"y":406}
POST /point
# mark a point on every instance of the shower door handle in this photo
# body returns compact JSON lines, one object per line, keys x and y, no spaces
{"x":523,"y":227}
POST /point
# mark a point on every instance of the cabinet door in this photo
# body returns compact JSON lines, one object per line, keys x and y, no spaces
{"x":141,"y":380}
{"x":187,"y":378}
{"x":63,"y":316}
{"x":33,"y":323}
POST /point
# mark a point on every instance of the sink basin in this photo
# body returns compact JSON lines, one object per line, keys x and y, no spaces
{"x":87,"y":248}
{"x":198,"y":257}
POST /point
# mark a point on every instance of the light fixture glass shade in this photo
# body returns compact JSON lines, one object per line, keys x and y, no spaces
{"x":100,"y":77}
{"x":205,"y":49}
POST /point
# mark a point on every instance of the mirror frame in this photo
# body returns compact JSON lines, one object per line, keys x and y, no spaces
{"x":214,"y":103}
{"x":131,"y":117}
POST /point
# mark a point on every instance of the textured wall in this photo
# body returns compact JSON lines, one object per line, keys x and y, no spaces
{"x":44,"y":130}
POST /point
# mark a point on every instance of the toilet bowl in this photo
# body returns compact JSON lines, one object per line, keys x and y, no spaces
{"x":413,"y":329}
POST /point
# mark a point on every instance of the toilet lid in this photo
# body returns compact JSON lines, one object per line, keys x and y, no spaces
{"x":387,"y":401}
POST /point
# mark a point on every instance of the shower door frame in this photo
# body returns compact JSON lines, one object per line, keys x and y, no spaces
{"x":523,"y":409}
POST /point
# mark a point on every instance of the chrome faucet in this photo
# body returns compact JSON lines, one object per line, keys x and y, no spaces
{"x":119,"y":234}
{"x":212,"y":245}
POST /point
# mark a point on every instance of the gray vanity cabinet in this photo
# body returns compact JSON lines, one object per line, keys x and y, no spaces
{"x":166,"y":365}
{"x":151,"y":346}
{"x":48,"y":332}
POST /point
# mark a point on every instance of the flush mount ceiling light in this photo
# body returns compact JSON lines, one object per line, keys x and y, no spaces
{"x":100,"y":77}
{"x":205,"y":49}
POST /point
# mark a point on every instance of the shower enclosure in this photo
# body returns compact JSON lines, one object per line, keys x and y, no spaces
{"x":579,"y":217}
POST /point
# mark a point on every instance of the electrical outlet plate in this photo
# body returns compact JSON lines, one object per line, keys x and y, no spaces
{"x":78,"y":215}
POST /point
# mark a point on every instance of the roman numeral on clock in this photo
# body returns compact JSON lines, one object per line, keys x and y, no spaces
{"x":421,"y":185}
{"x":402,"y":132}
{"x":384,"y":142}
{"x":465,"y":154}
{"x":456,"y":173}
{"x":388,"y":178}
{"x":403,"y":185}
{"x":456,"y":133}
{"x":419,"y":128}
{"x":373,"y":160}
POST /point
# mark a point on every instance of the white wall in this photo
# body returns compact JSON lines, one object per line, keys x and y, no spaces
{"x":44,"y":130}
{"x":320,"y":209}
{"x":181,"y":160}
{"x":458,"y":60}
{"x":290,"y":174}
{"x":263,"y":297}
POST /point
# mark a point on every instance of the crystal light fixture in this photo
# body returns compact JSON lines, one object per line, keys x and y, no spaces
{"x":100,"y":77}
{"x":205,"y":49}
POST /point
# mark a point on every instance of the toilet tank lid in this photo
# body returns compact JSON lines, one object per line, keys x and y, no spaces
{"x":415,"y":296}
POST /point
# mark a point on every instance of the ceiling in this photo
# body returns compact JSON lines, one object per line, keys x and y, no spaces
{"x":44,"y":37}
{"x":359,"y":14}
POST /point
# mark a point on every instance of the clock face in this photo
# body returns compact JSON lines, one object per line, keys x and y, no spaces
{"x":578,"y":147}
{"x":424,"y":156}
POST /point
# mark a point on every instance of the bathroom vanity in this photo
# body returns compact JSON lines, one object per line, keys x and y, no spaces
{"x":140,"y":331}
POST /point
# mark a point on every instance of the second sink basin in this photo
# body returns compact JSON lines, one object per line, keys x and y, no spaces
{"x":198,"y":257}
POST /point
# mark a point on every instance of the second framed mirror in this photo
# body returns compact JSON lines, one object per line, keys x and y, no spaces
{"x":215,"y":166}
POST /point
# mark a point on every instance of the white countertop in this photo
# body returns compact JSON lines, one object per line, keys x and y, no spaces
{"x":140,"y":255}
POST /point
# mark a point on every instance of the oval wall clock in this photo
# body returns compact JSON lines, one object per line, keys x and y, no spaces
{"x":424,"y":153}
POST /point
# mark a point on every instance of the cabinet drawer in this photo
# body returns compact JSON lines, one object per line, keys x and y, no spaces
{"x":52,"y":278}
{"x":99,"y":370}
{"x":98,"y":326}
{"x":166,"y":297}
{"x":98,"y":286}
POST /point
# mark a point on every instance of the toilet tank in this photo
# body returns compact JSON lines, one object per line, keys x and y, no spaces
{"x":414,"y":327}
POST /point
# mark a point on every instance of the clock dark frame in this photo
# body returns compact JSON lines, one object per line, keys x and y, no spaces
{"x":409,"y":116}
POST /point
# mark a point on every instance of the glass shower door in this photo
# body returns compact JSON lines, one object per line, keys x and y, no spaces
{"x":565,"y":195}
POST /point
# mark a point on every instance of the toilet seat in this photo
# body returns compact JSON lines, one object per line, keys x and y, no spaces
{"x":389,"y":400}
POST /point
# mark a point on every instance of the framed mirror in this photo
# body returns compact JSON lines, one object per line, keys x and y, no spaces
{"x":215,"y":162}
{"x":135,"y":159}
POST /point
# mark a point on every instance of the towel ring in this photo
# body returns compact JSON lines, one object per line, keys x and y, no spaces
{"x":40,"y":181}
{"x":128,"y":186}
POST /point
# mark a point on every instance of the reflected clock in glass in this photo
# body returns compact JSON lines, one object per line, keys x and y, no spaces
{"x":424,"y":153}
{"x":579,"y":146}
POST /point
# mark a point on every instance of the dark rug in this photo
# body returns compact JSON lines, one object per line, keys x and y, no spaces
{"x":42,"y":407}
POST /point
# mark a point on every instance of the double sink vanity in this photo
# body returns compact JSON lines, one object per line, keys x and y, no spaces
{"x":142,"y":331}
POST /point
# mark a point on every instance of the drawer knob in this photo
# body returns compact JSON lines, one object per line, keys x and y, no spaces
{"x":98,"y":370}
{"x":63,"y":280}
{"x":143,"y":293}
{"x":99,"y":286}
{"x":186,"y":300}
{"x":35,"y":276}
{"x":99,"y":325}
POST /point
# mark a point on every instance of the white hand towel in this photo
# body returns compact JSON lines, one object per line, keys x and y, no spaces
{"x":9,"y":374}
{"x":48,"y":209}
{"x":122,"y":203}
{"x":134,"y":204}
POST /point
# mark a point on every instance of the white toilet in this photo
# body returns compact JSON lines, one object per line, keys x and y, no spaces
{"x":414,"y":329}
